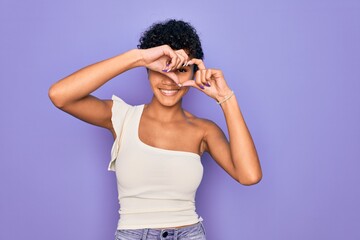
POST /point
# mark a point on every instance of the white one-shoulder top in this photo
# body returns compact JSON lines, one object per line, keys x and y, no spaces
{"x":156,"y":187}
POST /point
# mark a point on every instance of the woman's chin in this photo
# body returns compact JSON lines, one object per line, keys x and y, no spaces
{"x":168,"y":101}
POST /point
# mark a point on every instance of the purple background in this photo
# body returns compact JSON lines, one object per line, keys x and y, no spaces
{"x":294,"y":66}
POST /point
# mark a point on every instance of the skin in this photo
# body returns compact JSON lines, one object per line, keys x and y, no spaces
{"x":164,"y":119}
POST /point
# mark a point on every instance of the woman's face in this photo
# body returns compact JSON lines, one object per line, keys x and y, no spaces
{"x":166,"y":91}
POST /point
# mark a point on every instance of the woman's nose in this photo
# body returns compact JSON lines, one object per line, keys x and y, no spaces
{"x":167,"y":81}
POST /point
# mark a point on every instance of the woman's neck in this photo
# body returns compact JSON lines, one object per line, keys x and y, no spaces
{"x":164,"y":113}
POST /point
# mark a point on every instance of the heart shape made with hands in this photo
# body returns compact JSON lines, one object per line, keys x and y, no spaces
{"x":160,"y":65}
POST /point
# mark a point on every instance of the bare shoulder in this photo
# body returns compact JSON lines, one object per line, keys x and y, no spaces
{"x":206,"y":125}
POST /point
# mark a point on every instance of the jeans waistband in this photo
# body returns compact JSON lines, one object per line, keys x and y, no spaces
{"x":163,"y":233}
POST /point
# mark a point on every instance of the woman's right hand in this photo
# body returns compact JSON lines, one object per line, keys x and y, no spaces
{"x":164,"y":59}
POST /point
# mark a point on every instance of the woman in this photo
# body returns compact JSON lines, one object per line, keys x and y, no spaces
{"x":157,"y":147}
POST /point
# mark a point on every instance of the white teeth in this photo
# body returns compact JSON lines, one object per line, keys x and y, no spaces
{"x":168,"y":92}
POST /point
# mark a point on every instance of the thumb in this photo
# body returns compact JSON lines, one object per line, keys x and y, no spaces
{"x":189,"y":83}
{"x":192,"y":83}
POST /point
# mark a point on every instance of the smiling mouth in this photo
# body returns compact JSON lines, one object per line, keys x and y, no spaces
{"x":169,"y":92}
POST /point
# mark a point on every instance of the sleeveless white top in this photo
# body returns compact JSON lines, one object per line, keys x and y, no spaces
{"x":156,"y":187}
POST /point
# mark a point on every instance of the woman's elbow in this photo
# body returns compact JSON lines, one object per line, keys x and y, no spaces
{"x":54,"y":96}
{"x":248,"y":181}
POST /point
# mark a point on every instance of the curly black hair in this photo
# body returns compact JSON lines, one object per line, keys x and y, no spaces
{"x":175,"y":33}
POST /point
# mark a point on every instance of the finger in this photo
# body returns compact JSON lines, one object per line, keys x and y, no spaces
{"x":208,"y":77}
{"x":182,"y":52}
{"x":181,"y":61}
{"x":198,"y":62}
{"x":167,"y":63}
{"x":174,"y":62}
{"x":191,"y":83}
{"x":168,"y":51}
{"x":198,"y":77}
{"x":203,"y":77}
{"x":184,"y":55}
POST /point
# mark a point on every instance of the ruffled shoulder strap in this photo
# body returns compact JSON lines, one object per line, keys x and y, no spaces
{"x":119,"y":111}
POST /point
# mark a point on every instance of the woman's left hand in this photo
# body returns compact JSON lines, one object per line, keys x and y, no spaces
{"x":210,"y":81}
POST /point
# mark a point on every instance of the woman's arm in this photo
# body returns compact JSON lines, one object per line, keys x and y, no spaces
{"x":237,"y":157}
{"x":243,"y":151}
{"x":72,"y":93}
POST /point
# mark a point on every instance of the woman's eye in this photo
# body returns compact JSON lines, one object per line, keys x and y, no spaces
{"x":182,"y":70}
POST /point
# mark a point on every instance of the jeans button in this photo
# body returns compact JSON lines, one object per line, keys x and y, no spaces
{"x":165,"y":234}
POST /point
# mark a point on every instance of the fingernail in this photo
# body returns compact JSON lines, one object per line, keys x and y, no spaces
{"x":165,"y":70}
{"x":179,"y":84}
{"x":168,"y":70}
{"x":207,"y":84}
{"x":167,"y":64}
{"x":202,"y":87}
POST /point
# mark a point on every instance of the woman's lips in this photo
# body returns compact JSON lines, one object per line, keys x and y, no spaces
{"x":169,"y":92}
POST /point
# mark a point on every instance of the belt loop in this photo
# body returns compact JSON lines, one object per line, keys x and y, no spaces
{"x":176,"y":230}
{"x":203,"y":227}
{"x":145,"y":232}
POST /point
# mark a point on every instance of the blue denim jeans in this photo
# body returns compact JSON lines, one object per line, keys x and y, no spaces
{"x":192,"y":232}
